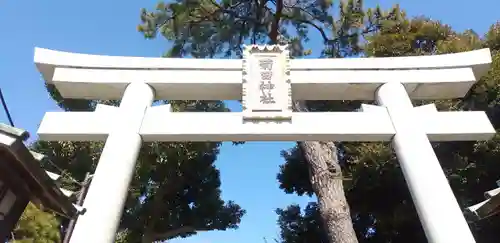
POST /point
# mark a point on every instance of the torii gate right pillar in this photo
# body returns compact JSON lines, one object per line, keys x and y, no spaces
{"x":438,"y":210}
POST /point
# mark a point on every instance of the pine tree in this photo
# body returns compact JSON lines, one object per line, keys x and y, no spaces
{"x":211,"y":29}
{"x":381,"y":205}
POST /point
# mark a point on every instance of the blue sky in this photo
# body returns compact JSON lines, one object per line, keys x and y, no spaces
{"x":109,"y":28}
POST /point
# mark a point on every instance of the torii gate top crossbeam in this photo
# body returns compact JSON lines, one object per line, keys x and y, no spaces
{"x":106,"y":77}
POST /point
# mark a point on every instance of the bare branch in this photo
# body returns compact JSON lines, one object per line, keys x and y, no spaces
{"x":273,"y":35}
{"x":320,"y":30}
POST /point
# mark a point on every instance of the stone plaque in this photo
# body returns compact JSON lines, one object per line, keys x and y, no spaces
{"x":266,"y":83}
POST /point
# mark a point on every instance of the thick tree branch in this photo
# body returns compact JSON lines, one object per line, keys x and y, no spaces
{"x":304,"y":21}
{"x":273,"y":34}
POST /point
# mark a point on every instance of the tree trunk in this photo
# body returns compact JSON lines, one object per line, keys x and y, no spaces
{"x":326,"y":179}
{"x":324,"y":172}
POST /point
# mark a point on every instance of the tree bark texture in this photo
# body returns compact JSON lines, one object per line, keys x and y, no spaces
{"x":326,"y":179}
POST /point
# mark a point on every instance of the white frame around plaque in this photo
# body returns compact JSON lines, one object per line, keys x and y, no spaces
{"x":252,"y":107}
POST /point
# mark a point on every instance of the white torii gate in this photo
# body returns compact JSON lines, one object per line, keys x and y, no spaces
{"x":266,"y":81}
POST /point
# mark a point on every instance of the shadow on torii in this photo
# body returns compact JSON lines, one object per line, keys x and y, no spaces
{"x":266,"y":81}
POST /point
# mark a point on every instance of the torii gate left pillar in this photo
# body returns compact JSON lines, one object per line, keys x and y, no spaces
{"x":115,"y":169}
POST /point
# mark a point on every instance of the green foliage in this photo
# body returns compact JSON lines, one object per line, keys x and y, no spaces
{"x":381,"y":206}
{"x":175,"y":190}
{"x":297,"y":227}
{"x":36,"y":226}
{"x":179,"y":181}
{"x":493,"y":37}
{"x":207,"y":29}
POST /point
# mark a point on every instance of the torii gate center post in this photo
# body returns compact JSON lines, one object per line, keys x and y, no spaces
{"x":266,"y":81}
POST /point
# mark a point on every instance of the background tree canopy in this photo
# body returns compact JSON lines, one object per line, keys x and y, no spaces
{"x":209,"y":28}
{"x":36,"y":226}
{"x":381,"y":206}
{"x":175,"y":191}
